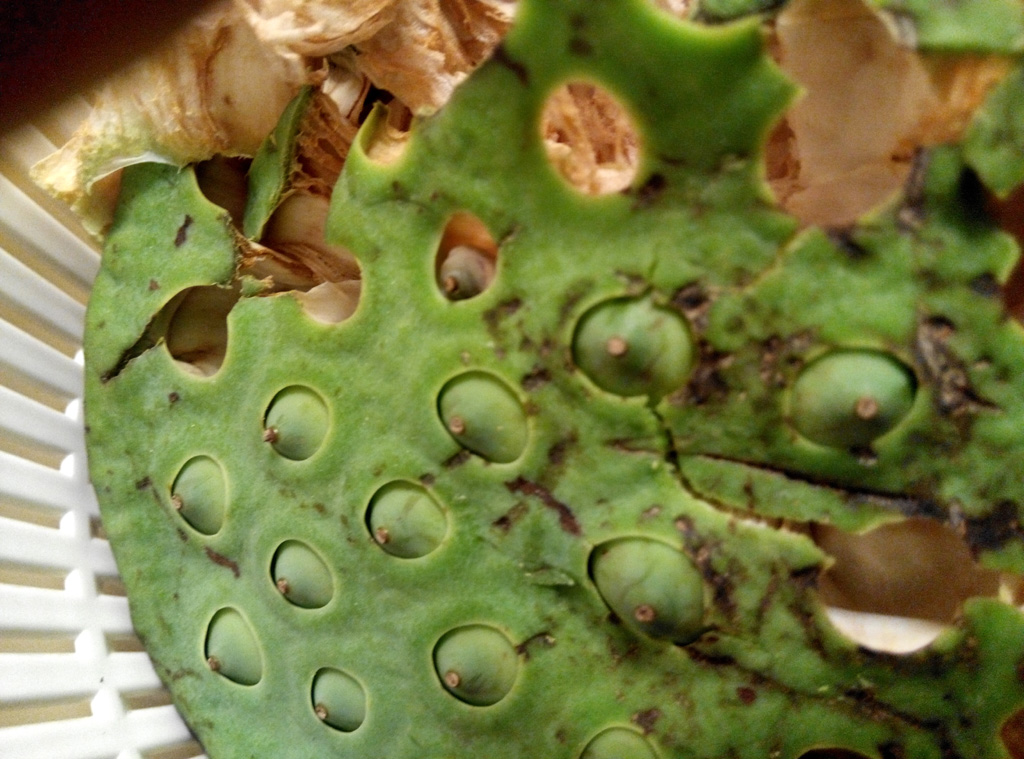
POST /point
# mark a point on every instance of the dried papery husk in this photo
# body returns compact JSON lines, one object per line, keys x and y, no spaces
{"x":322,"y":144}
{"x":212,"y":89}
{"x":870,"y":102}
{"x":589,"y":139}
{"x":317,"y":27}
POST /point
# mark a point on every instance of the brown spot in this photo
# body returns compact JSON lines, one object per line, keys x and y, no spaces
{"x":652,"y":513}
{"x":144,"y":483}
{"x":580,"y":46}
{"x":507,"y":520}
{"x":182,"y":234}
{"x":645,"y":720}
{"x":458,"y":459}
{"x":452,"y":679}
{"x":557,"y":452}
{"x":866,"y":408}
{"x":616,"y":347}
{"x":538,"y":377}
{"x":645,"y":614}
{"x":154,"y":285}
{"x":746,"y":694}
{"x":223,"y":561}
{"x":270,"y":435}
{"x":427,"y":480}
{"x":649,"y":192}
{"x":540,"y":639}
{"x":566,"y":519}
{"x":457,"y":425}
{"x":173,"y":397}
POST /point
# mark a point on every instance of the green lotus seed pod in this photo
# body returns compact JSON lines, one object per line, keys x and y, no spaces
{"x":338,"y":699}
{"x":406,"y":521}
{"x":618,"y":743}
{"x":483,"y":414}
{"x":301,"y":575}
{"x":476,"y":664}
{"x":630,"y":347}
{"x":199,"y":493}
{"x":232,"y":649}
{"x":296,"y":422}
{"x":652,"y":587}
{"x":849,"y":398}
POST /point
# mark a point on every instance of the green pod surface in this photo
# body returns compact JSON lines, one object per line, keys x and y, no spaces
{"x":297,"y":421}
{"x":476,"y":664}
{"x":199,"y":493}
{"x":483,"y":414}
{"x":301,"y":575}
{"x":631,"y":347}
{"x":618,"y":743}
{"x":338,"y":699}
{"x":406,"y":521}
{"x":232,"y":649}
{"x":849,"y":398}
{"x":652,"y":587}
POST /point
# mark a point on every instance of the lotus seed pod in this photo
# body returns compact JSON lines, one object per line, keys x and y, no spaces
{"x":301,"y":575}
{"x":630,"y":347}
{"x":483,"y":414}
{"x":296,"y":422}
{"x":618,"y":743}
{"x":849,"y":398}
{"x":232,"y":649}
{"x":651,"y":587}
{"x":406,"y":521}
{"x":465,"y":272}
{"x":476,"y":664}
{"x":338,"y":699}
{"x":199,"y":493}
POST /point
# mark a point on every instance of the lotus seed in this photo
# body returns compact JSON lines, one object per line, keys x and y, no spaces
{"x":338,"y":699}
{"x":301,"y":575}
{"x":483,"y":414}
{"x":296,"y":422}
{"x":619,"y":743}
{"x":232,"y":649}
{"x":476,"y":664}
{"x":654,"y":588}
{"x":849,"y":398}
{"x":199,"y":494}
{"x":406,"y":521}
{"x":465,"y":272}
{"x":631,"y":347}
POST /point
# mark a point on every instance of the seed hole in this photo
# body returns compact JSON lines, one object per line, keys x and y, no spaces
{"x":296,"y":422}
{"x":484,"y":416}
{"x":477,"y":664}
{"x":619,"y":743}
{"x":406,"y":521}
{"x":232,"y":650}
{"x":338,"y":700}
{"x":386,"y":133}
{"x":199,"y":494}
{"x":651,"y":587}
{"x":590,"y":138}
{"x":897,"y":586}
{"x":301,"y":576}
{"x":224,"y":182}
{"x":194,"y":328}
{"x":632,"y":347}
{"x":466,"y":257}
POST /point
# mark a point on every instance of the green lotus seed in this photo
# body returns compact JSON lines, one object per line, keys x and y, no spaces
{"x":631,"y":347}
{"x":406,"y":521}
{"x":199,"y":494}
{"x":338,"y":699}
{"x":619,"y":743}
{"x":232,"y":649}
{"x":849,"y":398}
{"x":653,"y":588}
{"x":483,"y":414}
{"x":476,"y":664}
{"x":301,"y":575}
{"x":296,"y":422}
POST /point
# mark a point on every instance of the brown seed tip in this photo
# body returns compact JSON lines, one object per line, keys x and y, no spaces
{"x":616,"y":346}
{"x":457,"y":425}
{"x":321,"y":712}
{"x":866,"y":408}
{"x":270,"y":435}
{"x":451,"y":285}
{"x":645,"y":613}
{"x":213,"y":663}
{"x":452,"y":679}
{"x":382,"y":535}
{"x":177,"y":503}
{"x":283,"y":586}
